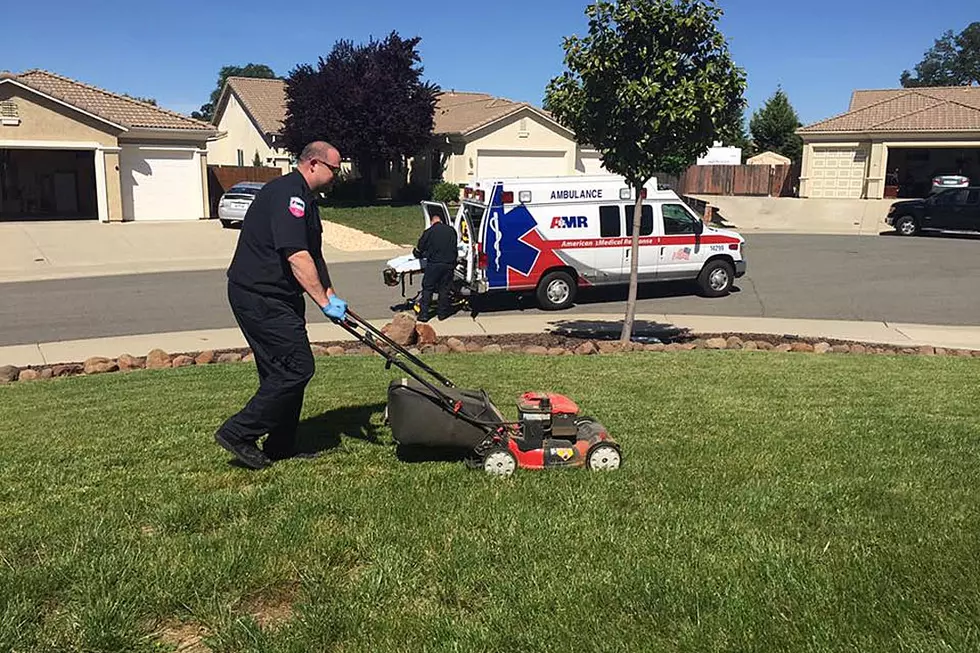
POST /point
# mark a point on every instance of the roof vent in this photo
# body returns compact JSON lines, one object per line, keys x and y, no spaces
{"x":8,"y":113}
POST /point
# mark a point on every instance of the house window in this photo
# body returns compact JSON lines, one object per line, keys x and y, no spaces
{"x":241,"y":157}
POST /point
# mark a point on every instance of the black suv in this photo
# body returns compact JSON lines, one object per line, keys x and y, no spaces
{"x":956,"y":209}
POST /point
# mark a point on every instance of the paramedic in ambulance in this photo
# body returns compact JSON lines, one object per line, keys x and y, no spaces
{"x":438,"y":247}
{"x":279,"y":257}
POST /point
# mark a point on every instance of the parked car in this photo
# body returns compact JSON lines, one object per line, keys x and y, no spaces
{"x":956,"y":209}
{"x":235,"y":202}
{"x":943,"y":182}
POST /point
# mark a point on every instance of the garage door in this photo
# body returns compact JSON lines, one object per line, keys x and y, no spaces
{"x":160,"y":184}
{"x":838,"y":172}
{"x":520,"y":163}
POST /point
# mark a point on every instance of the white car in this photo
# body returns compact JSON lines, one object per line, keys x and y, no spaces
{"x":944,"y":182}
{"x":235,"y":202}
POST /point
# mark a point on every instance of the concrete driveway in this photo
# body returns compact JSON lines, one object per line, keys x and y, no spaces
{"x":66,"y":249}
{"x":793,"y":215}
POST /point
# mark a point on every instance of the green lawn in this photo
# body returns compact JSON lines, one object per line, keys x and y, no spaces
{"x":768,"y":502}
{"x":401,"y":225}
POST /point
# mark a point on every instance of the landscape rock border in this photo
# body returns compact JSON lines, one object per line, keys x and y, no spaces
{"x":425,"y":341}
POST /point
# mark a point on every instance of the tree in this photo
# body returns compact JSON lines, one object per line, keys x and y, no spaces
{"x":774,"y":127}
{"x":651,"y":87}
{"x":954,"y":60}
{"x":367,"y":100}
{"x":257,"y":161}
{"x":248,"y":70}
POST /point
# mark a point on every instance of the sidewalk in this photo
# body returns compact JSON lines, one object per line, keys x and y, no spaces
{"x":790,"y":215}
{"x":32,"y":251}
{"x":904,"y":335}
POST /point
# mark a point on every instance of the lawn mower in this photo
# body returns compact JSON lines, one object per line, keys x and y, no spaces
{"x":435,"y":413}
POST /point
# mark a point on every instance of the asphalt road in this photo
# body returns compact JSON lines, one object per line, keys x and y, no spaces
{"x":931,"y":280}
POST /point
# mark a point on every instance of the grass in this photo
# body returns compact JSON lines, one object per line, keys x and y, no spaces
{"x":401,"y":225}
{"x":767,"y":503}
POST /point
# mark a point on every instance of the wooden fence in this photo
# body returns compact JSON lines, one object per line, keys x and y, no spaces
{"x":761,"y":180}
{"x":221,"y":178}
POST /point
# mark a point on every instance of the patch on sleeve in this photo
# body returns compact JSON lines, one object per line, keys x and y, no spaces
{"x":297,"y":207}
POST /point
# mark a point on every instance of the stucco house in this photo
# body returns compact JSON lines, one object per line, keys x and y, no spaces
{"x":69,"y":150}
{"x":478,"y":135}
{"x":249,"y":114}
{"x":475,"y":134}
{"x":898,"y":137}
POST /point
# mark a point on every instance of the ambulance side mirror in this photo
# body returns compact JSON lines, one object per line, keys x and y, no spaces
{"x":698,"y":227}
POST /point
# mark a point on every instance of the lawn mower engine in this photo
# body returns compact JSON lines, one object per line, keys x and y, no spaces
{"x":552,"y":434}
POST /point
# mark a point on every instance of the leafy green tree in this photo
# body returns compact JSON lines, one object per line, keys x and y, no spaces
{"x":954,"y":60}
{"x":651,"y":87}
{"x":248,"y":70}
{"x":774,"y":127}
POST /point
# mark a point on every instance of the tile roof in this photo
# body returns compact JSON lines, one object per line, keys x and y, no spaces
{"x":456,"y":112}
{"x":263,"y":99}
{"x":942,"y":109}
{"x":461,"y":112}
{"x":112,"y":107}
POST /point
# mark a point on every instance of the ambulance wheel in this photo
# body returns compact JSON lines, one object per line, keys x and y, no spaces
{"x":716,"y":278}
{"x":556,"y":291}
{"x":906,"y":226}
{"x":604,"y":458}
{"x":499,"y":462}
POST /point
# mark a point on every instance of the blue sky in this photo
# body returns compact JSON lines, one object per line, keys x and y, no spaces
{"x":819,"y":52}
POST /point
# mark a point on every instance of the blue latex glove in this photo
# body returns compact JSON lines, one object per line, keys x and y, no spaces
{"x":336,"y":309}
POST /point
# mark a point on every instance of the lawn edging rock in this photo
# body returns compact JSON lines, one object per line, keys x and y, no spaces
{"x":425,"y":341}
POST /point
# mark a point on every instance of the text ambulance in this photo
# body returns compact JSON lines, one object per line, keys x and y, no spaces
{"x":555,"y":235}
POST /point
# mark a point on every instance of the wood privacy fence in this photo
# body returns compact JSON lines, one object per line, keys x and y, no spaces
{"x":221,"y":178}
{"x":760,"y":180}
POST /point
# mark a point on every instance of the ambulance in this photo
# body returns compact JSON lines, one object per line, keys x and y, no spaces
{"x":556,"y":235}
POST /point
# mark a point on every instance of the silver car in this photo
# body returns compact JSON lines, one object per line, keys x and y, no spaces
{"x":943,"y":182}
{"x":235,"y":202}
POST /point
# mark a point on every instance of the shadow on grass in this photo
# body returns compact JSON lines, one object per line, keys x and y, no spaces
{"x":644,"y":331}
{"x":323,"y":432}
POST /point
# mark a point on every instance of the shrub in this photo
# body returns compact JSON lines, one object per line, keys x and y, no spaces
{"x":445,"y":192}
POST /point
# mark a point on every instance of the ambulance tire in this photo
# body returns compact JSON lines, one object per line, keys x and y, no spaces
{"x":556,"y":291}
{"x":716,"y":278}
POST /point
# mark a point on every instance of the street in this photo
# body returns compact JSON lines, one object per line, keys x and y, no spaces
{"x":929,"y":280}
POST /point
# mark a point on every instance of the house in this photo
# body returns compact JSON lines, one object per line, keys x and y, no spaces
{"x":898,"y":137}
{"x":249,"y":113}
{"x":73,"y":151}
{"x":478,"y":135}
{"x":475,"y":134}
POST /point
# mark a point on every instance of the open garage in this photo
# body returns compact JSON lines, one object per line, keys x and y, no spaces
{"x":912,"y":169}
{"x":892,"y":143}
{"x":70,"y":151}
{"x":38,"y":184}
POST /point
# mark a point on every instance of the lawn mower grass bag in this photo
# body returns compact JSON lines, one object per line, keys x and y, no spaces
{"x":418,"y":417}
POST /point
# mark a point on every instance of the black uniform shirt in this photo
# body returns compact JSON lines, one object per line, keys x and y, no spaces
{"x":283,"y":216}
{"x":438,"y":244}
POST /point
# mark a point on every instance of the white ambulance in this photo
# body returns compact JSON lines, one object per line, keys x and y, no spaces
{"x":555,"y":235}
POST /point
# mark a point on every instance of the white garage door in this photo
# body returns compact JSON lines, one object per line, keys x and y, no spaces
{"x":838,"y":172}
{"x":518,"y":163}
{"x":160,"y":184}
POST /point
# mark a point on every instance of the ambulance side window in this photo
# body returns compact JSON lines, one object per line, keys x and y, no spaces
{"x":610,"y":222}
{"x":646,"y":220}
{"x":677,"y":220}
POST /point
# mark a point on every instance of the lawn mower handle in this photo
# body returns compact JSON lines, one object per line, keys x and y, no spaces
{"x":351,"y":323}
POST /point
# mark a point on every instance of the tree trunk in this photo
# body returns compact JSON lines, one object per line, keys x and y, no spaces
{"x":627,"y":333}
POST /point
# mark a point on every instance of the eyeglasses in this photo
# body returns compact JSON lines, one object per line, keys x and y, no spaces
{"x":334,"y":169}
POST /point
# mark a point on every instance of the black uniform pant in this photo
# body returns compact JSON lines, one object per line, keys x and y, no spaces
{"x":275,"y":329}
{"x":438,"y":277}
